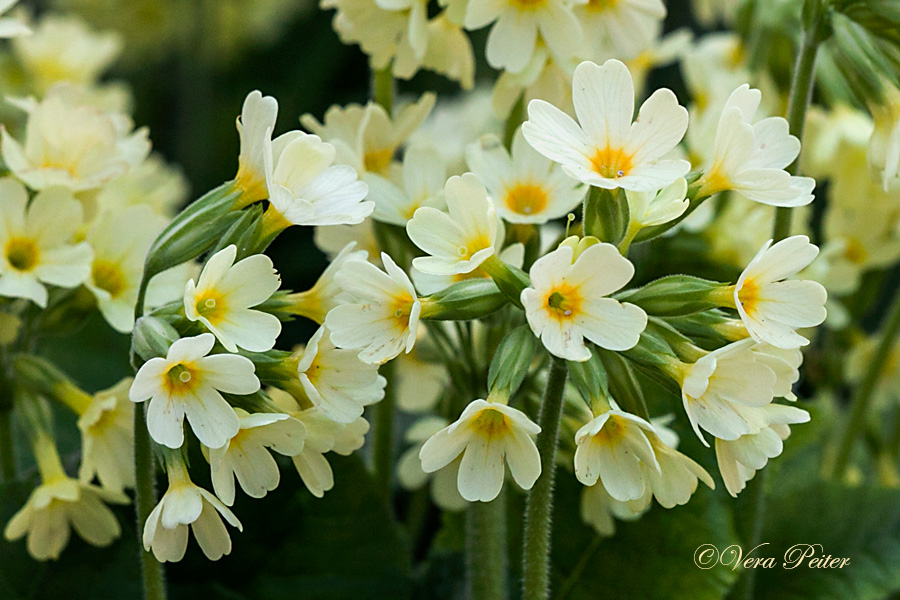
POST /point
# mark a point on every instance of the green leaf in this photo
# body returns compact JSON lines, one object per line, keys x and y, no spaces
{"x":859,"y":523}
{"x":651,"y":558}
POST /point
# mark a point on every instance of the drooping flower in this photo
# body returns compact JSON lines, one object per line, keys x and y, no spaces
{"x":223,"y":297}
{"x":246,"y":456}
{"x":59,"y":504}
{"x":488,"y":435}
{"x":336,"y":381}
{"x":255,"y":126}
{"x":187,"y":383}
{"x":107,"y":438}
{"x":72,"y":145}
{"x":605,"y":149}
{"x":514,"y":36}
{"x":460,"y":241}
{"x":723,"y":389}
{"x":120,"y":239}
{"x":599,"y":510}
{"x":383,"y":320}
{"x":740,"y":459}
{"x":36,"y":242}
{"x":412,"y":477}
{"x":184,"y":506}
{"x":751,"y":158}
{"x":568,"y":302}
{"x":525,"y":186}
{"x":773,"y":308}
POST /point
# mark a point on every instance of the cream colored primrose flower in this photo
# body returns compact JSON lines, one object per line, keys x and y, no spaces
{"x":366,"y":138}
{"x":411,"y":475}
{"x":487,"y":434}
{"x":64,"y":48}
{"x":246,"y":456}
{"x":514,"y":36}
{"x":255,"y":126}
{"x":420,"y":383}
{"x":187,"y":383}
{"x":724,"y":389}
{"x":35,"y":241}
{"x":740,"y":459}
{"x":884,"y":145}
{"x":10,"y":27}
{"x":317,"y":301}
{"x":333,"y":239}
{"x":460,"y":241}
{"x":567,"y":302}
{"x":526,"y":187}
{"x":633,"y":462}
{"x":223,"y":297}
{"x":120,"y":239}
{"x":599,"y":510}
{"x":59,"y":504}
{"x":305,"y":188}
{"x":72,"y":145}
{"x":336,"y":381}
{"x":751,"y":158}
{"x":154,"y":182}
{"x":422,"y":177}
{"x":429,"y":283}
{"x":544,"y":77}
{"x":772,"y":308}
{"x":449,"y":53}
{"x":186,"y":505}
{"x":107,"y":438}
{"x":378,"y":32}
{"x":384,"y":319}
{"x":605,"y":149}
{"x":647,"y":209}
{"x":621,"y":27}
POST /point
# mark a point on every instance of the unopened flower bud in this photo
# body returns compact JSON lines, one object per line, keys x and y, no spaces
{"x":512,"y":360}
{"x":675,"y":295}
{"x":463,"y":301}
{"x":151,"y":338}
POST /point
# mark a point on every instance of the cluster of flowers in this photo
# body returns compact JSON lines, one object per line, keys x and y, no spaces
{"x":451,"y":266}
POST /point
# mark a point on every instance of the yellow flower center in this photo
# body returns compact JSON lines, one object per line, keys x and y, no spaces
{"x":378,"y":161}
{"x":528,"y":4}
{"x":211,"y":306}
{"x":564,"y":302}
{"x":526,"y":199}
{"x":491,"y":423}
{"x":180,"y":379}
{"x":473,"y":246}
{"x":601,"y":5}
{"x":22,"y":254}
{"x":613,"y":432}
{"x":108,"y":276}
{"x":402,"y":307}
{"x":749,"y":296}
{"x":855,"y":252}
{"x":714,"y":181}
{"x":611,"y":163}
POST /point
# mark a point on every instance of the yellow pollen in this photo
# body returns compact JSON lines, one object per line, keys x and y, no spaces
{"x":211,"y":306}
{"x":526,"y":199}
{"x":378,"y":161}
{"x":749,"y":296}
{"x":564,"y":302}
{"x":108,"y":276}
{"x":491,"y":423}
{"x":22,"y":254}
{"x":611,"y":163}
{"x":180,"y":379}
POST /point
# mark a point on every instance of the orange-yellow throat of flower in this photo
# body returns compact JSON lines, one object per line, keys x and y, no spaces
{"x":180,"y":379}
{"x":526,"y":199}
{"x":611,"y":163}
{"x":563,"y":302}
{"x":491,"y":423}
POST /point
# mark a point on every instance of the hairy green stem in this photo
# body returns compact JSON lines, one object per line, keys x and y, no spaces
{"x":859,"y":406}
{"x":383,"y":88}
{"x":514,"y":121}
{"x":145,"y":500}
{"x":7,"y":445}
{"x":384,"y":432}
{"x":486,"y":549}
{"x":539,"y":505}
{"x":802,"y":84}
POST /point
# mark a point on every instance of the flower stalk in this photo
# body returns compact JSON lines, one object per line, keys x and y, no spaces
{"x":539,"y":505}
{"x":486,"y":549}
{"x":145,"y":500}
